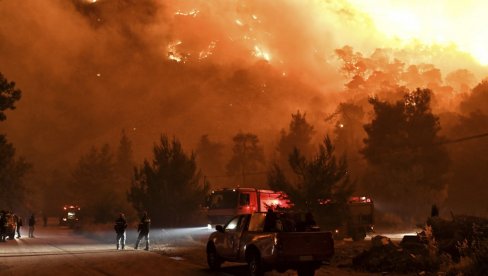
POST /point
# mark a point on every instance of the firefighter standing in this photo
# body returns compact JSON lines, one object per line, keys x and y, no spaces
{"x":143,"y":229}
{"x":32,"y":224}
{"x":19,"y":223}
{"x":119,"y":227}
{"x":3,"y":225}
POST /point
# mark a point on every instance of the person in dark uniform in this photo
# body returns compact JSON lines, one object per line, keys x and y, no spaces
{"x":119,"y":227}
{"x":3,"y":225}
{"x":270,"y":221}
{"x":19,"y":223}
{"x":143,"y":229}
{"x":32,"y":224}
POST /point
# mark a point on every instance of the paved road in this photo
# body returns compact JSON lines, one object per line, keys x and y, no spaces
{"x":58,"y":251}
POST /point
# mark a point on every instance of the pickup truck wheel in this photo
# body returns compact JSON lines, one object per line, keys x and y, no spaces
{"x":306,"y":271}
{"x":213,"y":259}
{"x":255,"y":266}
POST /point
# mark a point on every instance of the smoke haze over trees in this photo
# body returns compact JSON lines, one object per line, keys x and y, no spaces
{"x":88,"y":70}
{"x":247,"y":159}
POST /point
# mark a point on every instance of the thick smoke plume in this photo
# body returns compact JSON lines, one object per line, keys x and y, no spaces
{"x":89,"y":69}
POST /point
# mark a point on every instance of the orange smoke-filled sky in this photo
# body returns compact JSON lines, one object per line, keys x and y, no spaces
{"x":89,"y":69}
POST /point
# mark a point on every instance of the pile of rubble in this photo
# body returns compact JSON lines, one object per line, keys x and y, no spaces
{"x":411,"y":255}
{"x":458,"y":247}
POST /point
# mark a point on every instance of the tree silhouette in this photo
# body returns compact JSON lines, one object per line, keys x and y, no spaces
{"x":210,"y":156}
{"x":8,"y":96}
{"x":299,"y":136}
{"x":95,"y":185}
{"x":322,"y":177}
{"x":406,"y":161}
{"x":168,"y":187}
{"x":12,"y":169}
{"x":247,"y":157}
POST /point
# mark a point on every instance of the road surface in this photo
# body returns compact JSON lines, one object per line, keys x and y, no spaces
{"x":60,"y":251}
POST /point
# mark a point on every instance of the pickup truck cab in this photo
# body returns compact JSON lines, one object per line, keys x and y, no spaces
{"x":266,"y":243}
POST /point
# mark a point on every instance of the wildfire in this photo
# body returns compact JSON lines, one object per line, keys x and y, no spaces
{"x":173,"y":53}
{"x":304,"y":35}
{"x":461,"y":23}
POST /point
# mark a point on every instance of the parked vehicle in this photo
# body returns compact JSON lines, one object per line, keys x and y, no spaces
{"x":244,"y":238}
{"x":357,"y":221}
{"x":11,"y":226}
{"x":70,"y":215}
{"x":226,"y":203}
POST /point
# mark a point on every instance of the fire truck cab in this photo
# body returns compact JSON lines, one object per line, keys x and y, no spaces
{"x":224,"y":204}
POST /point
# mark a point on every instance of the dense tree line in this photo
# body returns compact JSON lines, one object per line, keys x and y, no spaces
{"x":12,"y":168}
{"x":100,"y":180}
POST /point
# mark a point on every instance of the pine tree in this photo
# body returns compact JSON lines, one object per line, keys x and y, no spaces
{"x":8,"y":96}
{"x":12,"y":169}
{"x":247,"y":157}
{"x":299,"y":136}
{"x":168,"y":186}
{"x":321,"y":177}
{"x":406,"y":160}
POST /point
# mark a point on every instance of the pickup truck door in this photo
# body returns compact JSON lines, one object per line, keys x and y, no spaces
{"x":231,"y":236}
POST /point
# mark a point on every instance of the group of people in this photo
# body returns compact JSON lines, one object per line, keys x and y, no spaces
{"x":143,"y":229}
{"x":10,"y":225}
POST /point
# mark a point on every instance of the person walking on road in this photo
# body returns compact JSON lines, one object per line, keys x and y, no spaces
{"x":119,"y":227}
{"x":143,"y":229}
{"x":32,"y":224}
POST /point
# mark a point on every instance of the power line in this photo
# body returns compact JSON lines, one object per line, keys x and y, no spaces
{"x":465,"y":138}
{"x":453,"y":141}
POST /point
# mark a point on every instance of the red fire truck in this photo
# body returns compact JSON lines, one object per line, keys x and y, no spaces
{"x":223,"y":204}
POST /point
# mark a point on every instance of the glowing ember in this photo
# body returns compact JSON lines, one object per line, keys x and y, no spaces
{"x":192,"y":13}
{"x":260,"y":53}
{"x":239,"y":22}
{"x":207,"y":52}
{"x":173,"y":53}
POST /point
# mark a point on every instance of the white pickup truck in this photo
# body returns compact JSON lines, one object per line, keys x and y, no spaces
{"x":247,"y":239}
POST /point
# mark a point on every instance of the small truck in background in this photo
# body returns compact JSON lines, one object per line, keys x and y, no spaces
{"x":357,"y":221}
{"x":70,"y":216}
{"x":245,"y":238}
